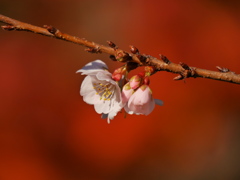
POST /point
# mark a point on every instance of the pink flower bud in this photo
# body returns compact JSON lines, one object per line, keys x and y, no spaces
{"x":141,"y":101}
{"x":116,"y":77}
{"x":146,"y":80}
{"x":149,"y":70}
{"x":136,"y":81}
{"x":127,"y":92}
{"x":118,"y":73}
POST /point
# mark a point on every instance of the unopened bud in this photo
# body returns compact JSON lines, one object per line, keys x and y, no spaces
{"x":136,"y":80}
{"x":116,"y":77}
{"x":149,"y":70}
{"x":111,"y":44}
{"x":118,"y":73}
{"x":133,"y":49}
{"x":146,"y":80}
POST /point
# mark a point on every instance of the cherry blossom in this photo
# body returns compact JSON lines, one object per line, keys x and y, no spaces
{"x":141,"y":101}
{"x":99,"y":89}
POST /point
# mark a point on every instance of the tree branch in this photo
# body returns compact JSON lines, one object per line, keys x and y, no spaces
{"x":161,"y":64}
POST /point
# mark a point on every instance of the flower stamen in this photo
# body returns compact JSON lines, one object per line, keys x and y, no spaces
{"x":103,"y":90}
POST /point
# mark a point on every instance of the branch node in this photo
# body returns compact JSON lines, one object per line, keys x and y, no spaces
{"x":51,"y":29}
{"x":131,"y":65}
{"x":133,"y":49}
{"x":222,"y":69}
{"x":188,"y":71}
{"x":141,"y":58}
{"x":193,"y":71}
{"x":164,"y":59}
{"x":93,"y":50}
{"x":123,"y":56}
{"x":184,"y":66}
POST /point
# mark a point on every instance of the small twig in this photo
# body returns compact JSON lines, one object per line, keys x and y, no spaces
{"x":162,"y":64}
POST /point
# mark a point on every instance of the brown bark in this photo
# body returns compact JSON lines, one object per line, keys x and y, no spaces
{"x":161,"y":64}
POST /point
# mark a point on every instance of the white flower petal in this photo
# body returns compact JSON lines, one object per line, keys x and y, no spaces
{"x":92,"y":98}
{"x":103,"y":107}
{"x":117,"y":95}
{"x":86,"y":86}
{"x":114,"y":111}
{"x":93,"y":67}
{"x":106,"y":76}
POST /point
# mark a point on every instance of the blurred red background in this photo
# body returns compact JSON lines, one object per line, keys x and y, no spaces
{"x":47,"y":132}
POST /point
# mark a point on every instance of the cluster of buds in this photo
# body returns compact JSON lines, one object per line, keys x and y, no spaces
{"x":136,"y":94}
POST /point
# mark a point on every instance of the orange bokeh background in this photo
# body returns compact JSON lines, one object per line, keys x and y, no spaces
{"x":47,"y":132}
